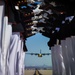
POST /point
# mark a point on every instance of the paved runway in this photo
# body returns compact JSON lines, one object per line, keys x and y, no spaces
{"x":37,"y":72}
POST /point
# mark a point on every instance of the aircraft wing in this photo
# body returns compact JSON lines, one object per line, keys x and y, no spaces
{"x":32,"y":53}
{"x":46,"y":53}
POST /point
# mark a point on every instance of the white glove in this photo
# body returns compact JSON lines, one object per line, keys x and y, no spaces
{"x":37,"y":10}
{"x":42,"y":20}
{"x":35,"y":22}
{"x":36,"y":17}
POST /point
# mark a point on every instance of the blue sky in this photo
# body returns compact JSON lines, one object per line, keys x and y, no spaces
{"x":34,"y":44}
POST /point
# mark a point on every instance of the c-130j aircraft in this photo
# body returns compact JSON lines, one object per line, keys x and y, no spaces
{"x":39,"y":54}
